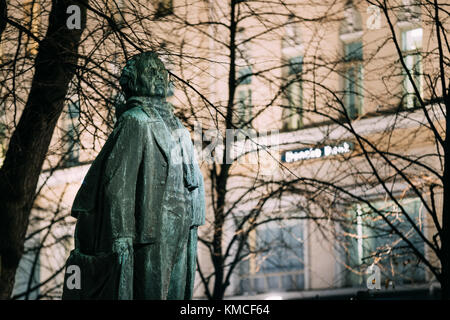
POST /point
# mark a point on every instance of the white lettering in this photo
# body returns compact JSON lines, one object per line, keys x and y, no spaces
{"x":74,"y":20}
{"x":74,"y":280}
{"x":313,"y":153}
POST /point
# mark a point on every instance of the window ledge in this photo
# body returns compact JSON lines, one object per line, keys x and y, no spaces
{"x":290,"y":52}
{"x":405,"y":25}
{"x":351,"y":37}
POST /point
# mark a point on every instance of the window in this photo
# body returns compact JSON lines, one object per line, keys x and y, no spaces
{"x":163,"y":8}
{"x":370,"y":239}
{"x":295,"y":65}
{"x":292,"y":115}
{"x":353,"y":51}
{"x":245,"y":75}
{"x":353,"y":95}
{"x":71,"y":139}
{"x":411,"y":45}
{"x":244,"y":96}
{"x":244,"y":105}
{"x":292,"y":49}
{"x":279,"y":262}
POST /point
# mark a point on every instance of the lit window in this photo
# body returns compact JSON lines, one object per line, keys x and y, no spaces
{"x":279,"y":265}
{"x":412,"y":39}
{"x":370,"y":239}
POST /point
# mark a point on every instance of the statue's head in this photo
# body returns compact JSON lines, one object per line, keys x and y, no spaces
{"x":144,"y":75}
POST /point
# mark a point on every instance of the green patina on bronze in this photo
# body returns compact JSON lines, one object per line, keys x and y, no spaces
{"x":141,"y":201}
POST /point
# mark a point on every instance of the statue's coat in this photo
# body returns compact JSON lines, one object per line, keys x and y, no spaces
{"x":138,"y":210}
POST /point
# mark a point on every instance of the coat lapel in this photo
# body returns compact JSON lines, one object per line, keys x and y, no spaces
{"x":160,"y":132}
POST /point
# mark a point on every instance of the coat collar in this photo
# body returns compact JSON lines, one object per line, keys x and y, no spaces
{"x":161,"y":132}
{"x":87,"y":196}
{"x":164,"y":138}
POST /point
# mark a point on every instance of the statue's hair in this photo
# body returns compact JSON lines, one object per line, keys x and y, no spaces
{"x":139,"y":75}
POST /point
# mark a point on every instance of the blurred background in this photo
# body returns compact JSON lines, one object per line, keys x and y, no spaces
{"x":320,"y":128}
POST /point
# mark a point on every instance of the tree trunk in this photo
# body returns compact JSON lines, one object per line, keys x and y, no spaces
{"x":2,"y":17}
{"x":55,"y":66}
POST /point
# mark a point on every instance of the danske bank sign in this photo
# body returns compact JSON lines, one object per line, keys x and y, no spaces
{"x":314,"y":153}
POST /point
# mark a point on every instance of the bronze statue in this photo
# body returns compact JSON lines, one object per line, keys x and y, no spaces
{"x":141,"y":201}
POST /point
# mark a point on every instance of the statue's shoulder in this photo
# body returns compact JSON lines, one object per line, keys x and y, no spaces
{"x":138,"y":115}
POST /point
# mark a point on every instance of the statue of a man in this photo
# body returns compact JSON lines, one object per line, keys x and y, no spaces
{"x":141,"y":201}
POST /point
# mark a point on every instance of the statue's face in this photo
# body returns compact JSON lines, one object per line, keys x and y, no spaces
{"x":144,"y":75}
{"x":157,"y":82}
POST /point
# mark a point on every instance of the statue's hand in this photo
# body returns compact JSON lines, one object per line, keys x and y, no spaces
{"x":123,"y":247}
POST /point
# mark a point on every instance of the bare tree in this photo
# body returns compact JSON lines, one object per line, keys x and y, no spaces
{"x":55,"y":65}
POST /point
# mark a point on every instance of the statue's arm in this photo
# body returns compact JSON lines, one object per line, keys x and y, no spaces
{"x":121,"y":175}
